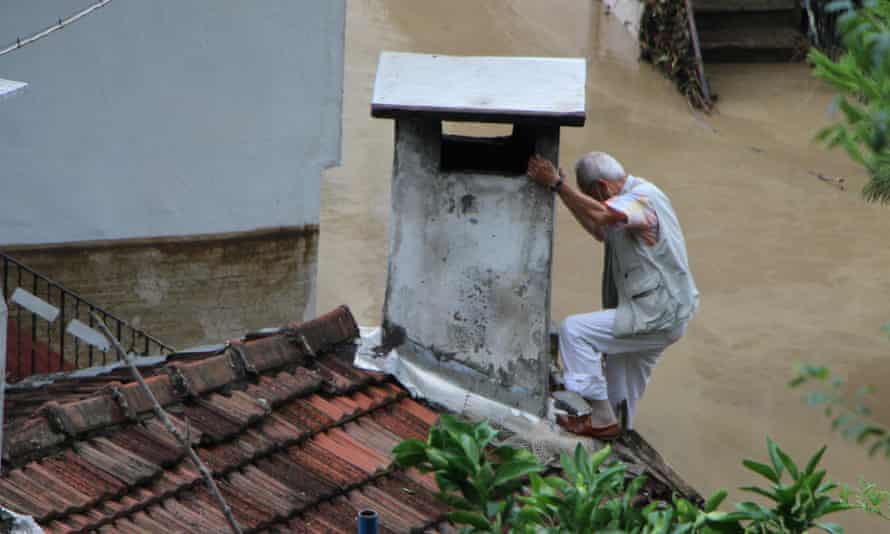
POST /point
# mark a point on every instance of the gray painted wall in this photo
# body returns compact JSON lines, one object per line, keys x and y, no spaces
{"x":158,"y":118}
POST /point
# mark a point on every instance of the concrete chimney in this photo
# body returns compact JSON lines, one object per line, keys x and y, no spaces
{"x":471,"y":238}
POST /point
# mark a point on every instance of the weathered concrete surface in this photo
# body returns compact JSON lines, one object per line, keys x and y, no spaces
{"x":469,"y":272}
{"x":191,"y":290}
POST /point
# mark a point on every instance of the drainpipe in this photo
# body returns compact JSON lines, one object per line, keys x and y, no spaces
{"x":4,"y":314}
{"x":367,"y":522}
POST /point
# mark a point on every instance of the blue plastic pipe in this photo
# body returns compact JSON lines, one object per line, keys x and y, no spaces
{"x":367,"y":522}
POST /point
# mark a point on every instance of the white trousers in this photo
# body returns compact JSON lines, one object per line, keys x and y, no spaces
{"x":585,"y":338}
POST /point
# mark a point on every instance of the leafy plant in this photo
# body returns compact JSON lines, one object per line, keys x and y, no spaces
{"x":797,"y":505}
{"x":850,"y":412}
{"x":872,"y":499}
{"x":502,"y":489}
{"x":851,"y":416}
{"x":479,"y":486}
{"x":862,"y":78}
{"x":593,"y":497}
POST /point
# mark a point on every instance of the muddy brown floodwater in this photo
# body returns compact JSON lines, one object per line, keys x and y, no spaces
{"x":790,"y":268}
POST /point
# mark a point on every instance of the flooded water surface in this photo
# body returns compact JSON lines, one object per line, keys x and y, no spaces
{"x":790,"y":268}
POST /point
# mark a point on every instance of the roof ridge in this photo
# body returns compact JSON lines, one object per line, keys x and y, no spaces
{"x":55,"y":423}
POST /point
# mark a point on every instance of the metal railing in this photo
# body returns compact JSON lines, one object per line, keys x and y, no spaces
{"x":37,"y":346}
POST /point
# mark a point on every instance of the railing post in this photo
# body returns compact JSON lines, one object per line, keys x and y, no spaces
{"x":4,"y":317}
{"x":62,"y":324}
{"x":33,"y":328}
{"x":5,"y":276}
{"x":19,"y":364}
{"x":18,"y":325}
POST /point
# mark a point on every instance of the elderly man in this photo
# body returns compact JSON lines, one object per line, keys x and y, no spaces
{"x":648,"y":290}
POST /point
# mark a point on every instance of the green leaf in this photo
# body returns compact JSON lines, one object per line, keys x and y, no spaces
{"x":788,"y":463}
{"x":484,"y":434}
{"x":455,"y":425}
{"x":715,"y":501}
{"x":531,"y":516}
{"x":558,"y":483}
{"x":830,"y":508}
{"x":470,"y":448}
{"x":761,"y":469}
{"x":832,"y":528}
{"x":814,"y":461}
{"x":568,"y":466}
{"x":870,"y":431}
{"x":763,"y":492}
{"x":775,"y":458}
{"x":755,"y":512}
{"x":505,"y":453}
{"x":455,"y":501}
{"x":581,"y":460}
{"x":437,"y":458}
{"x":512,"y":470}
{"x":410,"y":453}
{"x":599,"y":457}
{"x":475,"y":519}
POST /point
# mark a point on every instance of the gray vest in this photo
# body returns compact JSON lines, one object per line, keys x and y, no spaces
{"x":651,"y":286}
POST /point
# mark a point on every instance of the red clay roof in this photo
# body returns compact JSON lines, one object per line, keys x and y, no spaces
{"x":297,"y":443}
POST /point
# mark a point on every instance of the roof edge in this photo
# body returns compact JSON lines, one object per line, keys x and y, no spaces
{"x":53,"y":424}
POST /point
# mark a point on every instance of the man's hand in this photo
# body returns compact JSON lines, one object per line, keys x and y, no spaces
{"x":542,"y":171}
{"x":592,"y":214}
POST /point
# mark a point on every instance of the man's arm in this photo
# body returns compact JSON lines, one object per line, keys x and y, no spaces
{"x":589,"y":212}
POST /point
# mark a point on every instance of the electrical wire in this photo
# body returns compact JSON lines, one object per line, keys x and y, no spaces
{"x":20,"y":43}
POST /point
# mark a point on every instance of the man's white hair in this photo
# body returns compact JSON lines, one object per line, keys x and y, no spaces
{"x":597,"y":166}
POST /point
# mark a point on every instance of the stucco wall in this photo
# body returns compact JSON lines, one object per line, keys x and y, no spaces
{"x":168,"y":118}
{"x":468,"y":290}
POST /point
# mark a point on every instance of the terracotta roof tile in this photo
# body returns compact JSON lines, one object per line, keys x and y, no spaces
{"x":303,"y":413}
{"x":308,"y":487}
{"x":158,"y":448}
{"x":372,"y":435}
{"x":205,"y":375}
{"x":297,"y":440}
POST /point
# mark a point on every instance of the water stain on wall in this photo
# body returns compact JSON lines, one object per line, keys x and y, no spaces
{"x":191,"y":290}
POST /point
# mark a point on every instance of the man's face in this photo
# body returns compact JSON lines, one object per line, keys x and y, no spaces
{"x":600,"y":190}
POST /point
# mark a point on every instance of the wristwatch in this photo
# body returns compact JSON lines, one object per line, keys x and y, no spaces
{"x":555,"y":187}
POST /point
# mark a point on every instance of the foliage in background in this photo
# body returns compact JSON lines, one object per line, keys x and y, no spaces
{"x":848,"y":410}
{"x":498,"y":489}
{"x":862,"y":78}
{"x":852,"y":417}
{"x":665,"y":41}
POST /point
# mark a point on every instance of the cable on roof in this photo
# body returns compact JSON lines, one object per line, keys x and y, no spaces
{"x":20,"y":43}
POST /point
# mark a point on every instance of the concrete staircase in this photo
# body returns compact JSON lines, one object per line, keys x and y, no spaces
{"x":750,"y":30}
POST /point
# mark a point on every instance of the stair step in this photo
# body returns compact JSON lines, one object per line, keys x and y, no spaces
{"x":711,"y":6}
{"x":752,"y":44}
{"x":749,"y":19}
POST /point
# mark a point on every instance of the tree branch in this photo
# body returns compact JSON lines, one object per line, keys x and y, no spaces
{"x":165,"y":420}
